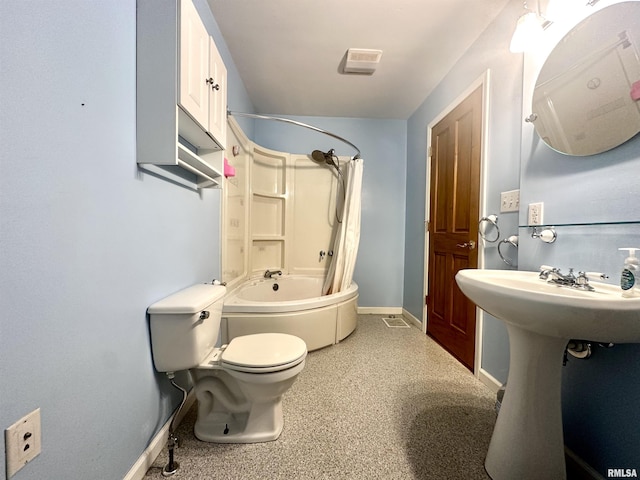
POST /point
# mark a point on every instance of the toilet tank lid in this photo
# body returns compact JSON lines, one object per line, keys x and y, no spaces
{"x":189,"y":300}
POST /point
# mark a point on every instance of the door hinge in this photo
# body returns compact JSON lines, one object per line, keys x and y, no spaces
{"x":429,"y":151}
{"x":426,"y":300}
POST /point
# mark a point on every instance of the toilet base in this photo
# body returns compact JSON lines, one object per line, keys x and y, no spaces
{"x":264,"y":423}
{"x":240,"y":407}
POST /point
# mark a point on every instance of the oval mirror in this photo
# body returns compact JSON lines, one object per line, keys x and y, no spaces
{"x":586,"y":99}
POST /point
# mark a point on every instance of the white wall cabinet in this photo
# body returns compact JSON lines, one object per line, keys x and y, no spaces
{"x":203,"y":76}
{"x":181,"y":91}
{"x":217,"y":95}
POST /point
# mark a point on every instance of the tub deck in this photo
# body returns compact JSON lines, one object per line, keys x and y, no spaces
{"x":319,"y":320}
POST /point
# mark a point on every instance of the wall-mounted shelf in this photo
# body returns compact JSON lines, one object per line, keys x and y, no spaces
{"x":210,"y":176}
{"x":582,"y":224}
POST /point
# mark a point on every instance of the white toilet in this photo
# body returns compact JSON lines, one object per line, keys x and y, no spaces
{"x":239,"y":386}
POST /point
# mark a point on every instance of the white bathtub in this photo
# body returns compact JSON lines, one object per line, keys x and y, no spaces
{"x":296,"y":307}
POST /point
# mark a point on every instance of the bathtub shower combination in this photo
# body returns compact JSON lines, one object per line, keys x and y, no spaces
{"x":291,"y":304}
{"x":313,"y":301}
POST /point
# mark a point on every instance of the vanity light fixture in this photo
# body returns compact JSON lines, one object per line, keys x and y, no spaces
{"x":529,"y":28}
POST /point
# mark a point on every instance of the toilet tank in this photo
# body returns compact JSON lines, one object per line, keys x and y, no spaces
{"x":185,"y":326}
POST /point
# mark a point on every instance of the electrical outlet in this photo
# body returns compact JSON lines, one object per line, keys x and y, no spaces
{"x":510,"y":201}
{"x":536,"y":213}
{"x":22,"y":442}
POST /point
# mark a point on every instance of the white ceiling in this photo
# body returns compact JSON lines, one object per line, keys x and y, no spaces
{"x":289,"y":52}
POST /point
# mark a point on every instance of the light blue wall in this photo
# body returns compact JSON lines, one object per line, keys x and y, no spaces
{"x":584,"y":197}
{"x":87,"y":241}
{"x":502,"y":163}
{"x":382,"y":143}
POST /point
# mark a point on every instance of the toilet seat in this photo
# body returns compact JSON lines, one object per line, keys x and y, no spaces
{"x":248,"y":353}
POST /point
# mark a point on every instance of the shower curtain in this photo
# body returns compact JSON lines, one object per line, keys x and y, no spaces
{"x":345,"y":248}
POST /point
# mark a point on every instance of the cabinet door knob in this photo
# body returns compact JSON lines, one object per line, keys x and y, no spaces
{"x":211,"y":81}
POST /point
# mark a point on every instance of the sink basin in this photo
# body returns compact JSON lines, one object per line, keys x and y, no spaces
{"x":522,"y":299}
{"x":527,"y":441}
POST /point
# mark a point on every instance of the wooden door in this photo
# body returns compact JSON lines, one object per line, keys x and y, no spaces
{"x":453,"y":225}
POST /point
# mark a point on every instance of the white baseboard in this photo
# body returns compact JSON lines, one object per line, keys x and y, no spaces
{"x":489,"y":380}
{"x":158,"y":443}
{"x":380,"y":310}
{"x":390,"y":311}
{"x":409,"y":316}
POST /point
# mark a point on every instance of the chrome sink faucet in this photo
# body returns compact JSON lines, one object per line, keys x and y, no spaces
{"x":553,"y":275}
{"x":271,"y":273}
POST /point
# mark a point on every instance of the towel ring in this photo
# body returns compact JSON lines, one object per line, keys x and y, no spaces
{"x":512,"y":240}
{"x":493,"y":220}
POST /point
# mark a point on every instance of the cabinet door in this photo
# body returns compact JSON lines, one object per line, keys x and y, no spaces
{"x":217,"y":96}
{"x":194,"y":64}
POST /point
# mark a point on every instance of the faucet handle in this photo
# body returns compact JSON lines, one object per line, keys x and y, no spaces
{"x":600,"y":275}
{"x":545,"y":270}
{"x":582,"y":281}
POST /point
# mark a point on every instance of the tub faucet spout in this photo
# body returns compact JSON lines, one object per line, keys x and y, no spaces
{"x":271,"y":273}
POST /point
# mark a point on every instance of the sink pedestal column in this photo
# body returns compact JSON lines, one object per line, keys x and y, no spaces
{"x":527,"y":441}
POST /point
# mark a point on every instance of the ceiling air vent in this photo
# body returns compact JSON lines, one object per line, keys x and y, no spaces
{"x":362,"y":60}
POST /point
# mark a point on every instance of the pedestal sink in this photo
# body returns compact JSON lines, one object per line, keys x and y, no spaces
{"x":527,"y":441}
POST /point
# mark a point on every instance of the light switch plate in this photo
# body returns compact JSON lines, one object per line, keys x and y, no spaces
{"x":510,"y":201}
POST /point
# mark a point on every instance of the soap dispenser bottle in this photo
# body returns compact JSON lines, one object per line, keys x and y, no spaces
{"x":630,"y":272}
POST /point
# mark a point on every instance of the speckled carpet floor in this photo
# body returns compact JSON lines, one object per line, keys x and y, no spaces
{"x":385,"y":403}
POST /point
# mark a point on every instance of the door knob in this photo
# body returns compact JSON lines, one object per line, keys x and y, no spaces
{"x":470,"y":245}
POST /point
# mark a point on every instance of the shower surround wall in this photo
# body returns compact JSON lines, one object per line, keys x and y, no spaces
{"x":235,"y":208}
{"x":290,"y":214}
{"x":383,"y":143}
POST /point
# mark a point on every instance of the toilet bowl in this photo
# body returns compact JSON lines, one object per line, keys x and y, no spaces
{"x":239,"y":386}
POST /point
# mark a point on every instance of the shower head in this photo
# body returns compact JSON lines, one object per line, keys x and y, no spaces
{"x":322,"y":157}
{"x":319,"y":156}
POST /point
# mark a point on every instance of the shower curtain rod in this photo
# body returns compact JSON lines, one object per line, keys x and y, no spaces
{"x":300,"y":124}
